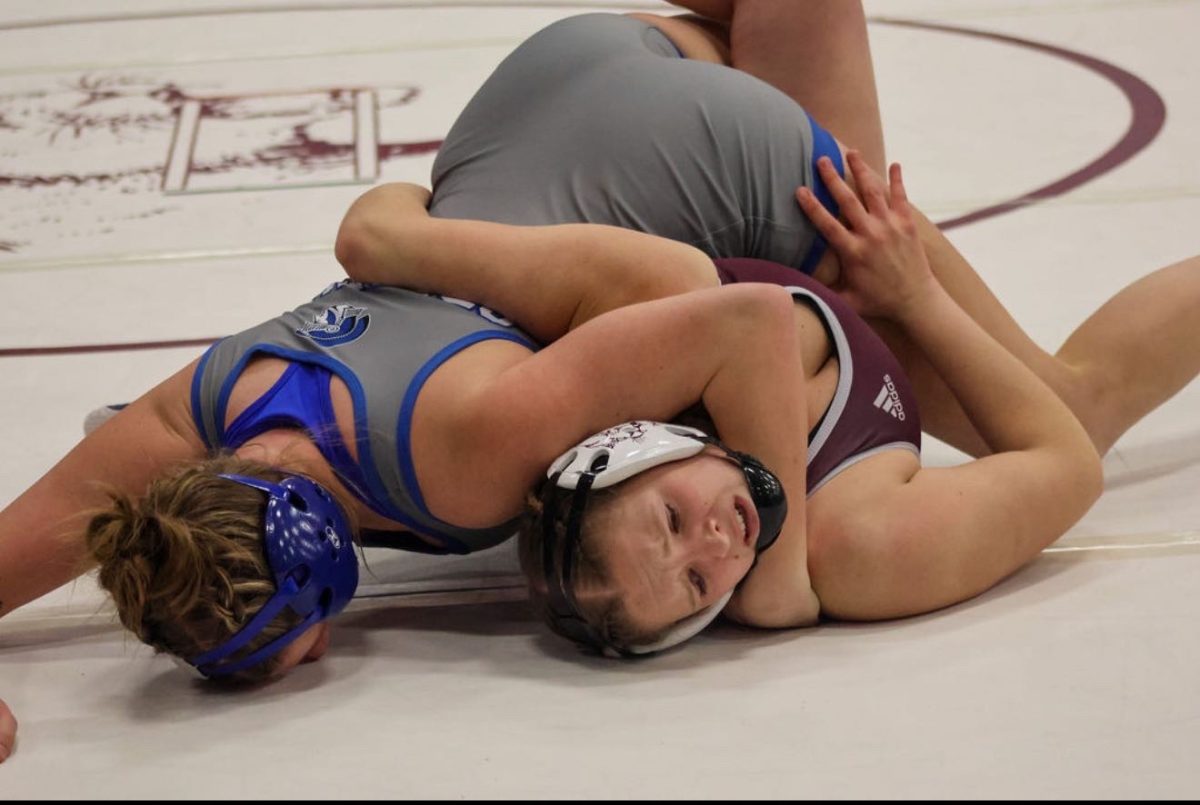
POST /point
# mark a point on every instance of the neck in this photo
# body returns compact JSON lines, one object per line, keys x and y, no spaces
{"x":292,"y":451}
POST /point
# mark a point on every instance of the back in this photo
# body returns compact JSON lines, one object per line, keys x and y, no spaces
{"x":382,"y":342}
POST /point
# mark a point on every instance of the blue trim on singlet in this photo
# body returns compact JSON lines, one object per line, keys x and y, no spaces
{"x":362,"y":477}
{"x":404,"y":422}
{"x":824,"y":145}
{"x":670,"y":41}
{"x":375,"y":496}
{"x":300,"y":398}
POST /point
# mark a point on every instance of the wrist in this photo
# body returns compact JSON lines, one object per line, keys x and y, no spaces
{"x":915,"y":303}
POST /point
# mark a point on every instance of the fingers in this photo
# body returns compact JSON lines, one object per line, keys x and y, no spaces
{"x":830,"y":228}
{"x":848,"y":203}
{"x":886,"y":204}
{"x":900,"y":206}
{"x":870,"y":185}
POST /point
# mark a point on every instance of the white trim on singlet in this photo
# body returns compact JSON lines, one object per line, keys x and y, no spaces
{"x":841,"y":395}
{"x":850,"y":462}
{"x":845,"y":373}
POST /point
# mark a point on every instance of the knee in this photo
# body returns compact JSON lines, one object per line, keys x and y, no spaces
{"x":1093,"y":394}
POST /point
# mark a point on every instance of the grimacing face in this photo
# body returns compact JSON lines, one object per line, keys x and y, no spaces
{"x":679,"y":537}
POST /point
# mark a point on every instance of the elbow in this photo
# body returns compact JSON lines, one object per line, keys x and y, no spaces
{"x":767,"y":312}
{"x":352,"y":247}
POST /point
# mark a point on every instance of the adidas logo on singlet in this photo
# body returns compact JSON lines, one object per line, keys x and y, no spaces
{"x":889,"y":399}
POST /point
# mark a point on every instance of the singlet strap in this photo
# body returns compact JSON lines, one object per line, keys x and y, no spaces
{"x":301,"y":398}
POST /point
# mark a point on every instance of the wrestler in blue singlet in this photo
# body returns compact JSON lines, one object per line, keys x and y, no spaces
{"x":383,"y":343}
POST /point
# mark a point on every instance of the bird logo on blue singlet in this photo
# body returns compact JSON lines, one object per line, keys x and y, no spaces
{"x":338,"y":324}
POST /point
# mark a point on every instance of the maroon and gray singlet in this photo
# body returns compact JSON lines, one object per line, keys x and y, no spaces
{"x":873,"y":408}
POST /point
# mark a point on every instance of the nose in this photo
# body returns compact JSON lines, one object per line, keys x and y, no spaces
{"x":713,"y":540}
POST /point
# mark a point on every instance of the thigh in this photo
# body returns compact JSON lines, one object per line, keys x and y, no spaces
{"x":816,"y":52}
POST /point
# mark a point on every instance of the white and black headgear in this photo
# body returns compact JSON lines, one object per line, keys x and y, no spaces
{"x":612,"y":456}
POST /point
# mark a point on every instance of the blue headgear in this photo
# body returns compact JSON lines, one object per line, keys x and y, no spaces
{"x":608,"y":458}
{"x":310,"y":550}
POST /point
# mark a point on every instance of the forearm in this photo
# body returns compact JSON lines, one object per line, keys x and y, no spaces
{"x":388,"y":237}
{"x":42,"y":532}
{"x":547,"y":279}
{"x":42,"y":542}
{"x":887,"y":273}
{"x":36,"y":557}
{"x":756,"y":403}
{"x":1006,"y":402}
{"x":379,"y":237}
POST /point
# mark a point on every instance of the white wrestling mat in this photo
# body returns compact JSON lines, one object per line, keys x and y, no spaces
{"x":175,"y":170}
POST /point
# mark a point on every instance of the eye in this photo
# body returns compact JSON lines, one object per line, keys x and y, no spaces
{"x":698,"y":581}
{"x":673,"y":519}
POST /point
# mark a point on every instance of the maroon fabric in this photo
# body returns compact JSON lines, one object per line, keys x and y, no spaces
{"x":880,"y":408}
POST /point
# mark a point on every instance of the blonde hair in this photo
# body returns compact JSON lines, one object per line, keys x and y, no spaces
{"x":185,"y":564}
{"x":598,"y":603}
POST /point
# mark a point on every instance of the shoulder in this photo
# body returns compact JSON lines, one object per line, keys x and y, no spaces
{"x":169,"y":406}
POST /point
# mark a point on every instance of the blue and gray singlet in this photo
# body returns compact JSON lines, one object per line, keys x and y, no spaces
{"x":383,"y":343}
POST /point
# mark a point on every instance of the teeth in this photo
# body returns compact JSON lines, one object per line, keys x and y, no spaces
{"x":741,"y":518}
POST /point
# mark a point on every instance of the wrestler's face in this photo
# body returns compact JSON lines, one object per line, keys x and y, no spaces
{"x":679,"y":537}
{"x":308,"y":647}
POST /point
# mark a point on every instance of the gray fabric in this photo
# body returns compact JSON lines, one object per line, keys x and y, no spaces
{"x":597,"y":119}
{"x":408,"y":334}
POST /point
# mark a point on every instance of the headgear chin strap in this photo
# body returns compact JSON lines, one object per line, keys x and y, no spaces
{"x":612,"y":456}
{"x":310,"y":549}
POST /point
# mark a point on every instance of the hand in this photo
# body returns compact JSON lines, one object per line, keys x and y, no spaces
{"x":8,"y":731}
{"x":885,"y":272}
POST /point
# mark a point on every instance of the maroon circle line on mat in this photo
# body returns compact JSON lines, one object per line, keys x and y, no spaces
{"x":1148,"y":115}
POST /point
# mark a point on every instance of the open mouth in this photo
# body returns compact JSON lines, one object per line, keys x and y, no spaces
{"x":747,"y":519}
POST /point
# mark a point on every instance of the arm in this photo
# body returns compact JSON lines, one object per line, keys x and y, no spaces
{"x":924,"y":540}
{"x":41,"y":532}
{"x":547,"y":279}
{"x":732,"y":348}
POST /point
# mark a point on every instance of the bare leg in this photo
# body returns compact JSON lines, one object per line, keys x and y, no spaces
{"x":817,"y":53}
{"x":814,"y":51}
{"x":1138,"y":350}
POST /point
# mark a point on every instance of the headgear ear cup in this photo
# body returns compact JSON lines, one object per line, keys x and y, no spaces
{"x":614,"y":455}
{"x":768,"y":495}
{"x":309,"y":547}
